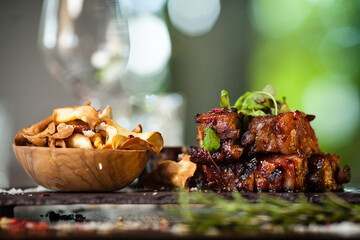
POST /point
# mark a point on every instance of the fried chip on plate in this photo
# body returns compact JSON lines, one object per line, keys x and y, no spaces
{"x":171,"y":173}
{"x":177,"y":173}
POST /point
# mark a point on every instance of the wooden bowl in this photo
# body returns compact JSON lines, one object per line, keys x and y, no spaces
{"x":86,"y":170}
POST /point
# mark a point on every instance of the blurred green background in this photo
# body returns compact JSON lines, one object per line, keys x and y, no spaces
{"x":308,"y":49}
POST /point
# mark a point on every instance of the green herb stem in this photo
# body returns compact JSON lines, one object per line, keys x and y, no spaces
{"x":205,"y":211}
{"x":272,"y":99}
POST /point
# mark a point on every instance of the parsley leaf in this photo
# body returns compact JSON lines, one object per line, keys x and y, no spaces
{"x":211,"y":141}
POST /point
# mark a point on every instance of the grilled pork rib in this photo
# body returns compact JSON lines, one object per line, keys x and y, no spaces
{"x":287,"y":133}
{"x":282,"y":154}
{"x":262,"y":173}
{"x":274,"y":173}
{"x":228,"y":152}
{"x":228,"y":126}
{"x":325,"y":174}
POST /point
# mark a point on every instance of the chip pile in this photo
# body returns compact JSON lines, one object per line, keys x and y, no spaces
{"x":85,"y":127}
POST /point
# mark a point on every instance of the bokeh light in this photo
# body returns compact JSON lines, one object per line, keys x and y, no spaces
{"x":143,"y":6}
{"x":194,"y":18}
{"x":149,"y":55}
{"x":272,"y":18}
{"x":150,"y":45}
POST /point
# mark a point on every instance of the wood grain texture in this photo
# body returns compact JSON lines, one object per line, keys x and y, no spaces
{"x":85,"y":170}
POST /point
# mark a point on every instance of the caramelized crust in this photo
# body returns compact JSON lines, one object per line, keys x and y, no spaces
{"x":262,"y":173}
{"x":227,"y":123}
{"x":228,"y":152}
{"x":228,"y":128}
{"x":325,"y":174}
{"x":287,"y":133}
{"x":281,"y":155}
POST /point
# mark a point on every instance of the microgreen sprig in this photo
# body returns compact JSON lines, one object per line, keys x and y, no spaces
{"x":224,"y":99}
{"x":257,"y":103}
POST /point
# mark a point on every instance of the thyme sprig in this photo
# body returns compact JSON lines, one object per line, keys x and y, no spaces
{"x":203,"y":211}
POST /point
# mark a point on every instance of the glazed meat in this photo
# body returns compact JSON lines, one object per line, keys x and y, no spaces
{"x":231,"y":177}
{"x":277,"y":154}
{"x":287,"y":133}
{"x":226,"y":121}
{"x":274,"y":172}
{"x":325,"y":174}
{"x":228,"y":152}
{"x":228,"y":127}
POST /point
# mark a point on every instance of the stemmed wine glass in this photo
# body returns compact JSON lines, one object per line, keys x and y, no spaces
{"x":85,"y":44}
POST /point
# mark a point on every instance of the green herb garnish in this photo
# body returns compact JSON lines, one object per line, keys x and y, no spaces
{"x":214,"y":211}
{"x":257,"y":103}
{"x":224,"y":100}
{"x":211,"y":141}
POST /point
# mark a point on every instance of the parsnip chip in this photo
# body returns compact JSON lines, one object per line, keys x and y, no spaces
{"x":86,"y":114}
{"x":53,"y":143}
{"x":120,"y":129}
{"x":102,"y":133}
{"x":78,"y":140}
{"x":60,"y":143}
{"x":20,"y":140}
{"x":97,"y":140}
{"x":113,"y":139}
{"x":171,"y":173}
{"x":135,"y":143}
{"x":39,"y":139}
{"x":185,"y":170}
{"x":63,"y":131}
{"x":118,"y":140}
{"x":106,"y":113}
{"x":111,"y":132}
{"x":37,"y":127}
{"x":137,"y":129}
{"x":78,"y":123}
{"x":154,"y":139}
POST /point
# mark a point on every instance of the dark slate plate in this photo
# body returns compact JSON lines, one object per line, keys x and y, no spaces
{"x":33,"y":206}
{"x":130,"y":196}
